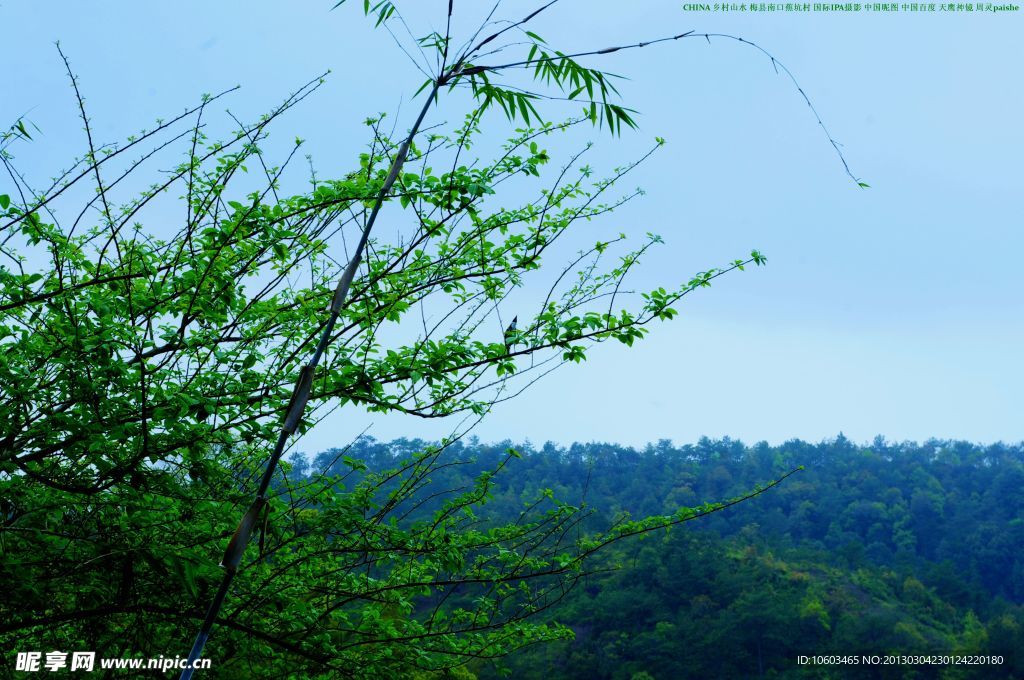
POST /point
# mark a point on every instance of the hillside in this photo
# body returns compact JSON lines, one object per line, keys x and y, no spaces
{"x":865,"y":551}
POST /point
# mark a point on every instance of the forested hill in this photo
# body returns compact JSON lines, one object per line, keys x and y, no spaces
{"x":870,"y":549}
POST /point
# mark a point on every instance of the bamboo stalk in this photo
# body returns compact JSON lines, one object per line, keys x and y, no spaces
{"x":300,"y":395}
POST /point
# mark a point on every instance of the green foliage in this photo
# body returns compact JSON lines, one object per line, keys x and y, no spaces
{"x":146,"y":369}
{"x":818,"y":566}
{"x":838,"y":560}
{"x":565,"y":74}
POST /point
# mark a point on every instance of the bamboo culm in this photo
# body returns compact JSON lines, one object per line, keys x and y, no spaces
{"x":300,"y":395}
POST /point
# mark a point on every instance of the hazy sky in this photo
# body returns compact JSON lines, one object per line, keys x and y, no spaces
{"x":895,"y":310}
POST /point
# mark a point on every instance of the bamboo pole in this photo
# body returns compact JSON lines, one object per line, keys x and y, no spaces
{"x":300,"y":395}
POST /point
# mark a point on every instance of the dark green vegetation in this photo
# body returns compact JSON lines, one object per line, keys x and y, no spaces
{"x":892,"y":548}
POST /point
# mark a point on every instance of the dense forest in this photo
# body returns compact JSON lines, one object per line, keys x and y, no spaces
{"x":892,"y":548}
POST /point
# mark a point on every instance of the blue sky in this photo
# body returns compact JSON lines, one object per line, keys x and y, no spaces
{"x":896,"y":310}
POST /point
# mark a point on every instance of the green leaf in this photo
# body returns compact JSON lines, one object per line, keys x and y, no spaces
{"x":427,"y":83}
{"x":20,"y":125}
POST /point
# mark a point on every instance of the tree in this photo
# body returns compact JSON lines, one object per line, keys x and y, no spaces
{"x":148,"y":375}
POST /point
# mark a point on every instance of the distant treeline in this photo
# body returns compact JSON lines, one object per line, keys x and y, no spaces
{"x":871,"y":549}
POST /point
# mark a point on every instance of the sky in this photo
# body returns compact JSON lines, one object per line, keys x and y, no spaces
{"x":895,"y":310}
